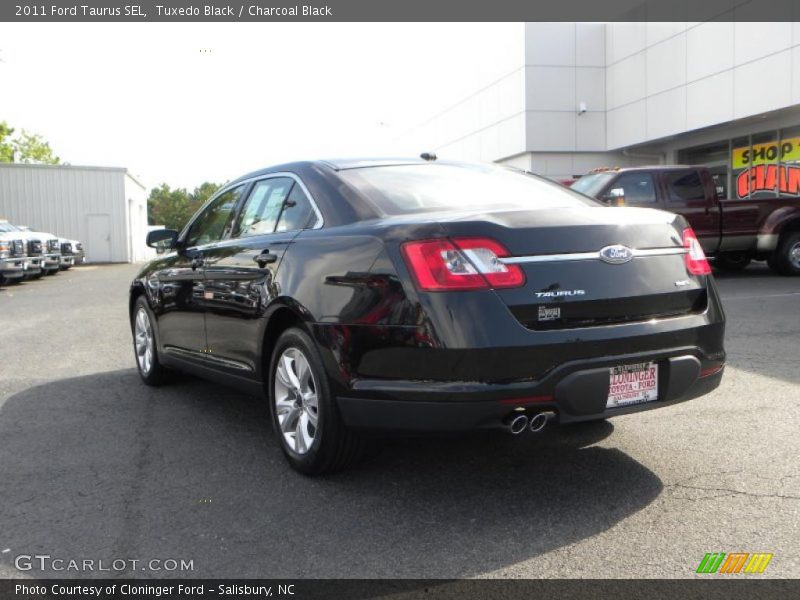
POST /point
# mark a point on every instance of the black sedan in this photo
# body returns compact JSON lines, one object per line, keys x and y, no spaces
{"x":418,"y":295}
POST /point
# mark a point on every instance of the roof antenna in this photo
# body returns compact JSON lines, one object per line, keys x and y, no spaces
{"x":429,"y":156}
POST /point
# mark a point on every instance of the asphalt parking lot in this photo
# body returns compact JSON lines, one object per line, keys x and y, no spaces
{"x":94,"y":465}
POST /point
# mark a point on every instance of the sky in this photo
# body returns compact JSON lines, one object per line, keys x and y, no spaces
{"x":194,"y":102}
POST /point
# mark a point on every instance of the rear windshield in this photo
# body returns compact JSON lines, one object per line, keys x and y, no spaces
{"x":408,"y":189}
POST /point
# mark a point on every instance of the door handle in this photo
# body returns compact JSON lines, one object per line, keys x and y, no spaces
{"x":197,"y":262}
{"x":265,"y":258}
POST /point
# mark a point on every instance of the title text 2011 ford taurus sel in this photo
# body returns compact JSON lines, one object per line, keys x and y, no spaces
{"x":427,"y":296}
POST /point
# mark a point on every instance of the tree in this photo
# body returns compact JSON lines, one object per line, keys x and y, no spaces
{"x":24,"y":148}
{"x":174,"y":207}
{"x":31,"y":148}
{"x":6,"y":144}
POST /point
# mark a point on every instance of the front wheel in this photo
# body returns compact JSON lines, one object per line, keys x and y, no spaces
{"x":785,"y":260}
{"x":304,"y":414}
{"x":144,"y":344}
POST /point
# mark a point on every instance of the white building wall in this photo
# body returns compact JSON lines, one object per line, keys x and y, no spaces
{"x":664,"y":79}
{"x":62,"y":200}
{"x":642,"y":84}
{"x":490,"y":122}
{"x":136,"y":196}
{"x":564,"y":68}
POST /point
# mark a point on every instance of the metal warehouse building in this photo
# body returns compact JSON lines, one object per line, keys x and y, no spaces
{"x":103,"y":207}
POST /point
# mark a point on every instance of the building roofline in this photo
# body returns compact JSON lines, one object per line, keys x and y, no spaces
{"x":64,"y":167}
{"x":76,"y":168}
{"x":135,"y":180}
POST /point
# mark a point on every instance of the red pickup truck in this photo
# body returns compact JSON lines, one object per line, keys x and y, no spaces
{"x":734,"y":232}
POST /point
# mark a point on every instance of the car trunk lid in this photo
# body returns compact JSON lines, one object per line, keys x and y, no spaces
{"x":590,"y":267}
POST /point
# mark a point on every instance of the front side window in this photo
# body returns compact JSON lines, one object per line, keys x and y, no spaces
{"x":214,"y":222}
{"x":636,"y":188}
{"x":592,"y":184}
{"x":684,"y":186}
{"x":263,"y":208}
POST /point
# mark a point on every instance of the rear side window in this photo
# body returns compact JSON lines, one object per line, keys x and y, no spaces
{"x":297,"y":213}
{"x":419,"y":188}
{"x":214,"y":222}
{"x":684,"y":186}
{"x":263,"y":208}
{"x":637,"y":188}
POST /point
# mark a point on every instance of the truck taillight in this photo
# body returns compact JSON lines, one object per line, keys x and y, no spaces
{"x":696,"y":262}
{"x":460,"y":264}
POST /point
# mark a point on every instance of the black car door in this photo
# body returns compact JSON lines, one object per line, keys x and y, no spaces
{"x":180,"y":283}
{"x":240,"y":271}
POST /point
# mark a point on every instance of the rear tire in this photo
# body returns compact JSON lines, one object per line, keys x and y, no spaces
{"x":304,"y":414}
{"x":732,"y":261}
{"x":145,"y":346}
{"x":785,"y":260}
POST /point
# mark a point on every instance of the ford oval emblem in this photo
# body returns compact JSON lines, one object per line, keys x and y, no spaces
{"x":616,"y":255}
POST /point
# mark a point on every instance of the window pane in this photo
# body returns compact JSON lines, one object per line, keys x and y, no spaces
{"x":298,"y":213}
{"x":214,"y":222}
{"x":637,"y":188}
{"x":705,"y":155}
{"x":263,"y":207}
{"x":720,"y":177}
{"x":684,"y":186}
{"x":764,"y":165}
{"x":740,"y":161}
{"x":789,"y":174}
{"x":592,"y":184}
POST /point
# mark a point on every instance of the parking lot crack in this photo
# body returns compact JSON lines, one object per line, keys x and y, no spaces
{"x":724,"y":491}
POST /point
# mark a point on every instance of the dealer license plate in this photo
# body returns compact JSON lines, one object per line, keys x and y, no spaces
{"x":632,"y":384}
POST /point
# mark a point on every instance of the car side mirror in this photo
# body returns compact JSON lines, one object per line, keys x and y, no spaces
{"x":162,"y":239}
{"x":615,"y":197}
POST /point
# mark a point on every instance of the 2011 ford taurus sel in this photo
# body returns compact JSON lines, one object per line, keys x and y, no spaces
{"x":422,"y":295}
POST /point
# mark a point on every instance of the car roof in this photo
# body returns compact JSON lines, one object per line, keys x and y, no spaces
{"x":600,"y":170}
{"x":335,"y":164}
{"x":340,"y":164}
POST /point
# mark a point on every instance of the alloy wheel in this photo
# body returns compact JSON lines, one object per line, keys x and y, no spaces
{"x":143,"y":336}
{"x":296,"y":402}
{"x":794,"y":255}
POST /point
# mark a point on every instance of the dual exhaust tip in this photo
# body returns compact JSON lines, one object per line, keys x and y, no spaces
{"x":517,"y":423}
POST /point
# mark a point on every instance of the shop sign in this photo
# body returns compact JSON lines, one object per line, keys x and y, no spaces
{"x":768,"y":178}
{"x":787,"y":150}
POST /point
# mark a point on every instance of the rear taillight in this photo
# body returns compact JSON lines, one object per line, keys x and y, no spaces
{"x":696,"y":262}
{"x":460,"y":264}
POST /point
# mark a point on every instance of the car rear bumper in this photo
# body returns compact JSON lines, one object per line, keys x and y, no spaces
{"x":574,"y":392}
